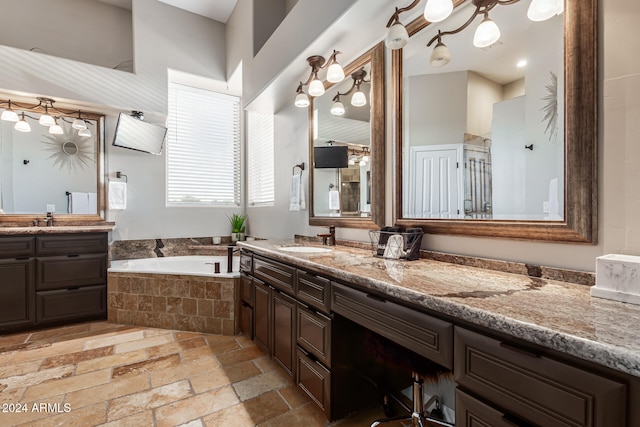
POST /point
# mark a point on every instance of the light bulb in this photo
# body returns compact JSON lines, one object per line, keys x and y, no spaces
{"x":358,"y":99}
{"x":440,"y":55}
{"x":9,"y":115}
{"x":302,"y":100}
{"x":335,"y":73}
{"x":46,"y":120}
{"x":541,"y":10}
{"x":22,"y":125}
{"x":397,"y":36}
{"x":486,"y":34}
{"x":438,"y":10}
{"x":55,"y":129}
{"x":362,"y":163}
{"x":84,"y":132}
{"x":365,"y":158}
{"x":316,"y":88}
{"x":79,"y":124}
{"x":337,"y":109}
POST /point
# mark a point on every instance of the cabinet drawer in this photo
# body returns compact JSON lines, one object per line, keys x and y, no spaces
{"x":17,"y":247}
{"x":71,"y":271}
{"x":246,"y":263}
{"x":314,"y":380}
{"x":314,"y":334}
{"x":66,"y":244}
{"x":246,"y":289}
{"x":534,"y":387}
{"x":53,"y":306}
{"x":426,"y":335}
{"x":471,"y":412}
{"x":274,"y":273}
{"x":313,"y":290}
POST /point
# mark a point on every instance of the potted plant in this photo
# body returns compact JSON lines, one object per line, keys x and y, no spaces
{"x":237,"y":227}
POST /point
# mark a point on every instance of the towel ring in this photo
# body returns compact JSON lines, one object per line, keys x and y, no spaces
{"x":120,"y":175}
{"x":301,"y":166}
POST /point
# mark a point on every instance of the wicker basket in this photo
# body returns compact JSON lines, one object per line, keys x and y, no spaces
{"x":396,"y":245}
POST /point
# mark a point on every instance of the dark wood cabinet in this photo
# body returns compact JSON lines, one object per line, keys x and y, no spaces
{"x":284,"y":309}
{"x":262,"y":315}
{"x":17,"y":293}
{"x":52,"y":278}
{"x":530,"y":386}
{"x":471,"y":412}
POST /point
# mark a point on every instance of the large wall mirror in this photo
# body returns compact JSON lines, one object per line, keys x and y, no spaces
{"x":501,"y":141}
{"x":43,"y":168}
{"x":346,"y":147}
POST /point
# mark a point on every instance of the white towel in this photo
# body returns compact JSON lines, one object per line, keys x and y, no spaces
{"x":296,"y":196}
{"x":117,"y":195}
{"x":93,"y":203}
{"x":334,"y":200}
{"x":79,"y":203}
{"x":554,"y":208}
{"x":395,"y":247}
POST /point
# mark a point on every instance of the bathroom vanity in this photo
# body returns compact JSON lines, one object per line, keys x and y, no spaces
{"x":52,"y":275}
{"x":521,"y":349}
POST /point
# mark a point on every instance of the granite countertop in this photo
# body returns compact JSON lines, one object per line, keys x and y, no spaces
{"x":58,"y":229}
{"x":557,"y":315}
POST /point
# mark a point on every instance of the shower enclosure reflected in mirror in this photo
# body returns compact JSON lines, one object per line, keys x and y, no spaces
{"x":490,"y":145}
{"x":346,"y":147}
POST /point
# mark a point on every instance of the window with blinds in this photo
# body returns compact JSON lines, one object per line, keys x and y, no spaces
{"x":260,"y":159}
{"x":203,"y":148}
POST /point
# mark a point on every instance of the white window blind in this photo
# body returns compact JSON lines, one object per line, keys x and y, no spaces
{"x":260,"y":159}
{"x":203,"y":148}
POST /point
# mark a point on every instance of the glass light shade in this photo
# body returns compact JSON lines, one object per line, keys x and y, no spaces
{"x":316,"y":88}
{"x":79,"y":124}
{"x":362,"y":163}
{"x":335,"y":73}
{"x":302,"y":100}
{"x":438,"y":10}
{"x":486,"y":34}
{"x":337,"y":109}
{"x":358,"y":99}
{"x":84,"y":132}
{"x":365,"y":158}
{"x":397,"y":36}
{"x":56,"y":129}
{"x":22,"y":126}
{"x":440,"y":55}
{"x":541,"y":10}
{"x":9,"y":115}
{"x":46,"y":120}
{"x":352,"y":161}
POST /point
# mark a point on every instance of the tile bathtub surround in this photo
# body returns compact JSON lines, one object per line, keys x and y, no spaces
{"x":188,"y":303}
{"x":152,"y":248}
{"x":105,"y":374}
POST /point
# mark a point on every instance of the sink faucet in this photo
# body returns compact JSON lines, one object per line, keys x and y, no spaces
{"x":331,"y":235}
{"x":49,"y":219}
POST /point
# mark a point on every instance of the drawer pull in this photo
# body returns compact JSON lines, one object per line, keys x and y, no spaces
{"x":514,"y":422}
{"x":21,"y":258}
{"x":73,"y":288}
{"x":244,"y":304}
{"x":376,"y":298}
{"x":73,"y":256}
{"x":520,"y":350}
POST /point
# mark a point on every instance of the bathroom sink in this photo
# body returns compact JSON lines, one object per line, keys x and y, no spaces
{"x":305,"y":249}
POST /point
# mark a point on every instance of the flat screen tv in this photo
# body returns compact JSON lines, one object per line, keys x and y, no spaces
{"x":138,"y":135}
{"x":331,"y":157}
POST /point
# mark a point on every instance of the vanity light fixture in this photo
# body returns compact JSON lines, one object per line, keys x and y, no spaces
{"x":335,"y":74}
{"x":358,"y":99}
{"x":43,"y":107}
{"x":487,"y":33}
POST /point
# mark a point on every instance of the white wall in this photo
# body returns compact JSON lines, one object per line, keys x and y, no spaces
{"x":482,"y":93}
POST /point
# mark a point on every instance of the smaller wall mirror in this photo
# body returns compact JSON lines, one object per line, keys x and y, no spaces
{"x":346,"y":147}
{"x":43,"y":168}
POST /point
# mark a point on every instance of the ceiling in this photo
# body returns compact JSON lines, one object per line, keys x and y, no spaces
{"x":218,"y":10}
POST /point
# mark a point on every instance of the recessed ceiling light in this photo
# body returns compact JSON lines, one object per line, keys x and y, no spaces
{"x":521,"y":63}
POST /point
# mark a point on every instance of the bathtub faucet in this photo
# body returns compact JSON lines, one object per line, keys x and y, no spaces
{"x":230,"y":252}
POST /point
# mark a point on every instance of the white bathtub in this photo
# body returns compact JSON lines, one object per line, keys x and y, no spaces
{"x":187,"y":265}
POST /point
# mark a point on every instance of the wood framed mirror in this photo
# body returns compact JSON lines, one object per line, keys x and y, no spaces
{"x":349,"y":193}
{"x":576,"y":215}
{"x":42,"y":171}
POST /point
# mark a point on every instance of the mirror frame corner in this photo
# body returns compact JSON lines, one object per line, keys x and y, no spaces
{"x":581,"y":144}
{"x":375,"y":56}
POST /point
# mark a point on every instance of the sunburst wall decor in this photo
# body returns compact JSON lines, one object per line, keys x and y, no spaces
{"x":69,"y":150}
{"x":550,"y":108}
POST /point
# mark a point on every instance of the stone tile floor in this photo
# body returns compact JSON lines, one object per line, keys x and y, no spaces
{"x":105,"y":374}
